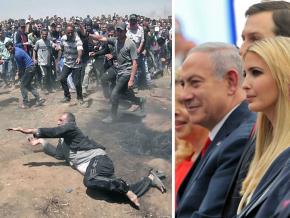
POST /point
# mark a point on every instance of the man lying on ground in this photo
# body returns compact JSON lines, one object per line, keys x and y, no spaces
{"x":89,"y":158}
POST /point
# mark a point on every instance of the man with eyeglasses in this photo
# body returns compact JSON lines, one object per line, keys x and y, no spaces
{"x":125,"y":62}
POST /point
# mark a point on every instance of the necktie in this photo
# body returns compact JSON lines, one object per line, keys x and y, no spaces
{"x":203,"y":151}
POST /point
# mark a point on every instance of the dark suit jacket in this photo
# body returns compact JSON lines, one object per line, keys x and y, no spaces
{"x":233,"y":196}
{"x":202,"y":194}
{"x":271,"y":190}
{"x":283,"y":209}
{"x":72,"y":136}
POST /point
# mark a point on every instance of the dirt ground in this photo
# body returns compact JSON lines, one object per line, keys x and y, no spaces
{"x":33,"y":184}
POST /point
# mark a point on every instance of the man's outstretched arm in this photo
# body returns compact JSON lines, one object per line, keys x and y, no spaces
{"x":25,"y":131}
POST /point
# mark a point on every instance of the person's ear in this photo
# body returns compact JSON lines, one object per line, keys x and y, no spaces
{"x":232,"y":80}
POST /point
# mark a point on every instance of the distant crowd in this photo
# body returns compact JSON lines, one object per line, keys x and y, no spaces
{"x":47,"y":42}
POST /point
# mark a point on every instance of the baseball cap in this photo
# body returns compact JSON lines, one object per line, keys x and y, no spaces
{"x":121,"y":25}
{"x":133,"y":17}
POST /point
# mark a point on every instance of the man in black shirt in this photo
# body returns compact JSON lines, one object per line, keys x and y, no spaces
{"x":89,"y":158}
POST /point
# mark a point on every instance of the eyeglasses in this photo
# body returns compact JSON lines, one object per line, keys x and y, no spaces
{"x":119,"y":30}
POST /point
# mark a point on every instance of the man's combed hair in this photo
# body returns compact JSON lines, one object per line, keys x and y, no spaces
{"x":267,"y":6}
{"x":280,"y":16}
{"x":224,"y":56}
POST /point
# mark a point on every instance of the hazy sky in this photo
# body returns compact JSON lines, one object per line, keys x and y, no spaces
{"x":66,"y":8}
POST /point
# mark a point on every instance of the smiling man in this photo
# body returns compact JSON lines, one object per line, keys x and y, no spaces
{"x":212,"y":94}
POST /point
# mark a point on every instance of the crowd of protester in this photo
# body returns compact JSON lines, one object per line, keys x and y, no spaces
{"x":153,"y":39}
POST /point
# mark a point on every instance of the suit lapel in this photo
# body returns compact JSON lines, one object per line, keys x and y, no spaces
{"x":233,"y":121}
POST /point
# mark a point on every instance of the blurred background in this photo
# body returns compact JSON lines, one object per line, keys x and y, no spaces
{"x":208,"y":20}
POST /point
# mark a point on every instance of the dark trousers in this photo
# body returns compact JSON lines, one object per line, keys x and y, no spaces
{"x":100,"y":175}
{"x":5,"y":71}
{"x":141,"y":72}
{"x":121,"y":87}
{"x":108,"y":81}
{"x":26,"y":84}
{"x":76,"y":75}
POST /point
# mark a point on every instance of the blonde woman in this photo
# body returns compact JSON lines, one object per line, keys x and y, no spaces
{"x":189,"y":141}
{"x":267,"y":87}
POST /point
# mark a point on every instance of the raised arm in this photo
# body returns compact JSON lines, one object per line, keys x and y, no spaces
{"x":22,"y":130}
{"x":97,"y":37}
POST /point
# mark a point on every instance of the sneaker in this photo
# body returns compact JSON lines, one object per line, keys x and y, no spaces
{"x":39,"y":102}
{"x":46,"y":92}
{"x":156,"y":182}
{"x":133,"y":108}
{"x":65,"y":100}
{"x":108,"y":119}
{"x":160,"y":174}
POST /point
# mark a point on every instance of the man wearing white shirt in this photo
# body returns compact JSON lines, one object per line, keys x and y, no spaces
{"x":135,"y":32}
{"x":4,"y":56}
{"x":72,"y":50}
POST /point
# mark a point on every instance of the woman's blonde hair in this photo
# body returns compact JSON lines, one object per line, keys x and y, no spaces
{"x":271,"y":142}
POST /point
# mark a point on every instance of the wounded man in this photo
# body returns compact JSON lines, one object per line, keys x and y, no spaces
{"x":89,"y":158}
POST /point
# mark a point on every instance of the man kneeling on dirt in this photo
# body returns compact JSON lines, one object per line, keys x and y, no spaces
{"x":89,"y":158}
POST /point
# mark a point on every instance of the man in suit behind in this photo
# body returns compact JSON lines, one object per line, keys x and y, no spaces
{"x":265,"y":19}
{"x":212,"y":94}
